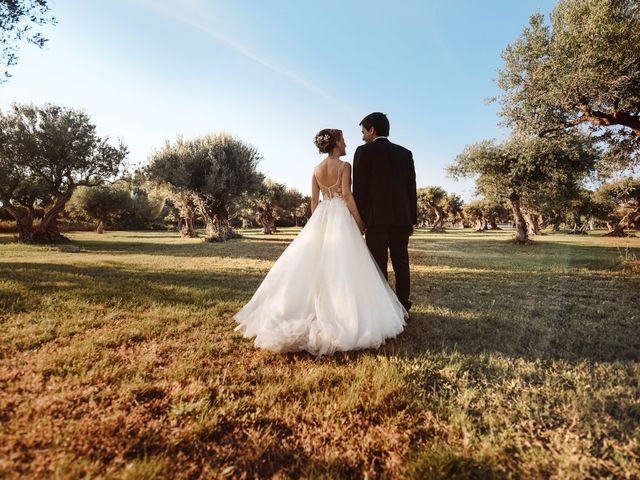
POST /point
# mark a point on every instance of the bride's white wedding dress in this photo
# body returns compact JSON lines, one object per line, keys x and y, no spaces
{"x":325,"y":293}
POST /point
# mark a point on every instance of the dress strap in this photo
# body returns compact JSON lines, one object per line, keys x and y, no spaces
{"x":339,"y":175}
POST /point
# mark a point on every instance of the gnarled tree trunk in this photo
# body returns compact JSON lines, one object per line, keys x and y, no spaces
{"x":618,"y":230}
{"x":267,"y":229}
{"x":267,"y":218}
{"x":44,"y":232}
{"x":216,"y":217}
{"x":579,"y":230}
{"x":533,"y":223}
{"x":47,"y":230}
{"x":187,"y":216}
{"x":187,"y":229}
{"x":100,"y":228}
{"x":24,"y":221}
{"x":438,"y":225}
{"x":632,"y":217}
{"x":521,"y":224}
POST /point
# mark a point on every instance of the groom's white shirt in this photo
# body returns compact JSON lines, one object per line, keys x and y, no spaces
{"x":379,"y":137}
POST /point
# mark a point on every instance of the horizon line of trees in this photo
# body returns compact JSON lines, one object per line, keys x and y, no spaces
{"x":54,"y":167}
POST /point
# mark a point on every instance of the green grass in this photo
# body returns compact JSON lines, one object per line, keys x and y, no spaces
{"x":120,"y":361}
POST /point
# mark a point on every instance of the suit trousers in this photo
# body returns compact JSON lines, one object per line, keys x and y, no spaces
{"x":385,"y":239}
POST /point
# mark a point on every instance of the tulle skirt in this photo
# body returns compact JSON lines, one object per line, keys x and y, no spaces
{"x":325,"y":293}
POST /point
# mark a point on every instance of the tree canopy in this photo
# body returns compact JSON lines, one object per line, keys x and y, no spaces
{"x":45,"y":154}
{"x":618,"y":204}
{"x":102,"y":203}
{"x":525,"y":167}
{"x":582,"y":68}
{"x":485,"y":212}
{"x":432,"y":202}
{"x":215,"y":170}
{"x":17,"y":21}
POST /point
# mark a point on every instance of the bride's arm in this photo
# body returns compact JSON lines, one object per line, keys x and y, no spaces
{"x":348,"y":196}
{"x":315,"y":192}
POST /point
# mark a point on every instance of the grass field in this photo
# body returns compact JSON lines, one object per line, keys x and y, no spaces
{"x":120,"y":361}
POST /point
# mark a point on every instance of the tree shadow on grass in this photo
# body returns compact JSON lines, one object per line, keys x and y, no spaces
{"x":547,"y":301}
{"x":278,"y":455}
{"x":7,"y":238}
{"x":251,"y":248}
{"x":240,"y":248}
{"x":535,"y":316}
{"x":494,"y":254}
{"x":499,"y":254}
{"x":284,"y":241}
{"x":149,"y":235}
{"x":121,"y":286}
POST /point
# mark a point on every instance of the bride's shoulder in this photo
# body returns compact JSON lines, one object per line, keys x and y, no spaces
{"x":344,"y":169}
{"x":318,"y":167}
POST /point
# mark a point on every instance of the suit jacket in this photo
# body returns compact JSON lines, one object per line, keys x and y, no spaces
{"x":384,"y":184}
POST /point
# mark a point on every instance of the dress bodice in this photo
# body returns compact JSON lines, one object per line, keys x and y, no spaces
{"x":333,"y":191}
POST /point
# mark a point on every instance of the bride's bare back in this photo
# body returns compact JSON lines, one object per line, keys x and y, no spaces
{"x":328,"y":176}
{"x":332,"y":177}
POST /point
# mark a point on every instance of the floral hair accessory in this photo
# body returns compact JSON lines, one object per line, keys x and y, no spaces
{"x":326,"y":138}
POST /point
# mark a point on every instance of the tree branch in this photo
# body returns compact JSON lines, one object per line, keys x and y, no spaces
{"x":603,"y":119}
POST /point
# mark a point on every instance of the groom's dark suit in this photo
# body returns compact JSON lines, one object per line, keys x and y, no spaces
{"x":384,"y":188}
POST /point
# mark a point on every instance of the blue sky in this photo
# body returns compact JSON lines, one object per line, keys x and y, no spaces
{"x":274,"y":73}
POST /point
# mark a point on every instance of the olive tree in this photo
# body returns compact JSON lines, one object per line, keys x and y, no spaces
{"x":45,"y":154}
{"x":102,"y":203}
{"x":268,"y":205}
{"x":524,"y":167}
{"x":474,"y":213}
{"x":618,"y":204}
{"x":273,"y":204}
{"x":582,"y":68}
{"x":214,"y":170}
{"x":453,"y":207}
{"x":432,"y":203}
{"x":486,"y":213}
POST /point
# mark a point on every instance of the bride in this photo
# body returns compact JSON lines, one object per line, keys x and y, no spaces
{"x":325,"y":293}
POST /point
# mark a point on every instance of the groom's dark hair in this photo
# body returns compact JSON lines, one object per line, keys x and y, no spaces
{"x":378,"y":121}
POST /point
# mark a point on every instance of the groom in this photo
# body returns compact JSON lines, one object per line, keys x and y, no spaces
{"x":384,"y":188}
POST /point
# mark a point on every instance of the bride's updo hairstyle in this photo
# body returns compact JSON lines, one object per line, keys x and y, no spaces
{"x":327,"y":139}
